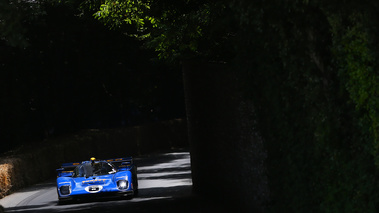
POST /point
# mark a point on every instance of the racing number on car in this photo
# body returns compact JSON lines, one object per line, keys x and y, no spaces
{"x":93,"y":188}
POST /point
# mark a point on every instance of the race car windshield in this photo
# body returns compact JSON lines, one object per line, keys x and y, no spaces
{"x":93,"y":169}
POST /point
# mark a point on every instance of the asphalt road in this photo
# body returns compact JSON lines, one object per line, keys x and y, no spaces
{"x":165,"y":185}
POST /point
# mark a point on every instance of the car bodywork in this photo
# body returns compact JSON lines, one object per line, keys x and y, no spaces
{"x":113,"y":177}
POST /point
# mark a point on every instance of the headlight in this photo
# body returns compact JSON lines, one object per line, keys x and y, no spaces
{"x":122,"y":184}
{"x":65,"y":190}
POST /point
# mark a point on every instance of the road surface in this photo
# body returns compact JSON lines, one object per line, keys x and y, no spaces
{"x":165,"y":185}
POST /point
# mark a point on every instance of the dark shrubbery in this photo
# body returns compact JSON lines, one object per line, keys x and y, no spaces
{"x":312,"y":79}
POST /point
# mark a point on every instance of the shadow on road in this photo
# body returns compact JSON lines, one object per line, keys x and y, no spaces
{"x":158,"y":199}
{"x":165,"y":186}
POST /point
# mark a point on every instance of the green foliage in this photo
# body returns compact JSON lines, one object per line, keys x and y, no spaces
{"x":115,"y":13}
{"x":74,"y":74}
{"x":311,"y":74}
{"x":14,"y":15}
{"x":176,"y":30}
{"x":358,"y":67}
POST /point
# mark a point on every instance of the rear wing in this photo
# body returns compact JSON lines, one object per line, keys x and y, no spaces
{"x":122,"y":163}
{"x":67,"y":169}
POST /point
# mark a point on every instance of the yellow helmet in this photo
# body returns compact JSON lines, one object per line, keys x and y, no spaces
{"x":93,"y":158}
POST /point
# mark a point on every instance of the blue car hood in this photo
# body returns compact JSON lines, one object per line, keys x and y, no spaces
{"x":94,"y":180}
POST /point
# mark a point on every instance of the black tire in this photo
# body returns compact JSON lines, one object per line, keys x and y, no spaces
{"x":135,"y":185}
{"x":62,"y":202}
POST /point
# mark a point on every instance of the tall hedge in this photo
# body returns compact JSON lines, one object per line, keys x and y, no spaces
{"x":312,"y":74}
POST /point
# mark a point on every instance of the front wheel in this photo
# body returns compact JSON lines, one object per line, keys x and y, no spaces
{"x":135,"y":185}
{"x":63,"y":201}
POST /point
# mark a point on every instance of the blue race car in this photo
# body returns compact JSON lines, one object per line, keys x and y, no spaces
{"x":113,"y":177}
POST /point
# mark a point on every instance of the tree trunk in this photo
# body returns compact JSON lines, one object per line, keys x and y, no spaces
{"x":227,"y":154}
